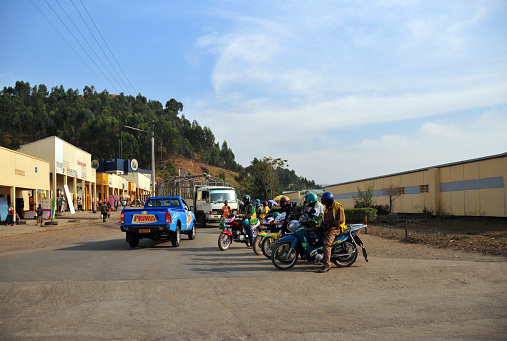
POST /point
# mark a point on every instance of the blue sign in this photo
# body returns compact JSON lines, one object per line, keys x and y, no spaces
{"x":35,"y":169}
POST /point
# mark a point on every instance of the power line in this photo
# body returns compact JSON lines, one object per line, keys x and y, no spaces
{"x":61,"y":35}
{"x":80,"y":45}
{"x":86,"y":40}
{"x":93,"y":35}
{"x":108,"y":46}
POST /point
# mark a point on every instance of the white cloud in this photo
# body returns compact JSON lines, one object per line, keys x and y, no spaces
{"x":290,"y":85}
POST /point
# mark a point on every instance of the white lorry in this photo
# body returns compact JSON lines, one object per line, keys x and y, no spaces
{"x":209,"y":200}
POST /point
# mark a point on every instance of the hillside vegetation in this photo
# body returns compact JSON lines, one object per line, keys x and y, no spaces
{"x":97,"y":122}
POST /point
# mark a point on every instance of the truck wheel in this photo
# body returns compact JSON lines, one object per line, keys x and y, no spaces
{"x":203,"y":220}
{"x":192,"y":233}
{"x":176,"y":237}
{"x":134,"y":242}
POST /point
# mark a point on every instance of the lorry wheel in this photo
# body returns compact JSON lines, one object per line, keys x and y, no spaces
{"x":176,"y":237}
{"x":134,"y":242}
{"x":203,"y":220}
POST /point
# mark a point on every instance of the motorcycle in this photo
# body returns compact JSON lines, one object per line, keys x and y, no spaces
{"x":275,"y":232}
{"x":264,"y":230}
{"x":233,"y":231}
{"x":309,"y":246}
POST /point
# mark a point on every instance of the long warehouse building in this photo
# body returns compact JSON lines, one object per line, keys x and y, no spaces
{"x":468,"y":188}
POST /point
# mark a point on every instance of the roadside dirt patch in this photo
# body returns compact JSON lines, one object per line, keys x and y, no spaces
{"x":486,"y":236}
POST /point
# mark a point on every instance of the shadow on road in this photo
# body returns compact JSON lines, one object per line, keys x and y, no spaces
{"x":118,"y":245}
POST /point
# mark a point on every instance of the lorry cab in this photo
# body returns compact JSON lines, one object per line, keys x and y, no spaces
{"x":209,"y":200}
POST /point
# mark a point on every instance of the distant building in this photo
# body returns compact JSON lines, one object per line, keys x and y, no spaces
{"x":24,"y":181}
{"x":109,"y":185}
{"x":467,"y":188}
{"x":69,"y":165}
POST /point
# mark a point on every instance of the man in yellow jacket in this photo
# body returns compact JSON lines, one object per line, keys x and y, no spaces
{"x":333,"y":224}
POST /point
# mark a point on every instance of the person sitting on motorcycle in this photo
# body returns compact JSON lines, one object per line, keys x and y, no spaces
{"x":314,"y":208}
{"x":264,"y":210}
{"x":285,"y":207}
{"x":257,"y":205}
{"x":333,"y":224}
{"x":249,"y":215}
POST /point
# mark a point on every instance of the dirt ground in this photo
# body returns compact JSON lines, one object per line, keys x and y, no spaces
{"x":479,"y":235}
{"x":470,"y":238}
{"x":407,"y":291}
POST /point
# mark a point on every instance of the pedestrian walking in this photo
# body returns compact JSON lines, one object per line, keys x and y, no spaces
{"x":40,"y":212}
{"x":10,"y":216}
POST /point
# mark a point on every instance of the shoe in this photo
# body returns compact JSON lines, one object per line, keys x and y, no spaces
{"x":324,"y":269}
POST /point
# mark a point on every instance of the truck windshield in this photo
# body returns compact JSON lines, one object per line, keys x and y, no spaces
{"x":222,"y":195}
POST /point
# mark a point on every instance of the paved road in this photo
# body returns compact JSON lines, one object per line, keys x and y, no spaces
{"x":87,"y":287}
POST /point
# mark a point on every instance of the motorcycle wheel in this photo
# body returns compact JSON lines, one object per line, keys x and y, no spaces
{"x":267,"y":246}
{"x":257,"y":245}
{"x":284,"y":256}
{"x":224,"y":241}
{"x":344,"y":261}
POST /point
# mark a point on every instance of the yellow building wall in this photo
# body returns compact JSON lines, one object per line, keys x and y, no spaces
{"x":475,"y":188}
{"x":23,"y":171}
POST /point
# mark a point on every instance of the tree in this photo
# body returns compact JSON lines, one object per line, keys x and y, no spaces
{"x":265,"y":178}
{"x":364,"y":199}
{"x":392,"y":192}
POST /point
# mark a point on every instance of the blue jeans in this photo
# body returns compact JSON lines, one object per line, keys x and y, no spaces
{"x":250,"y":233}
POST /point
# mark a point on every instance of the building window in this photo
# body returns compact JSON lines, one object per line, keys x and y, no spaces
{"x":424,"y":189}
{"x":401,"y":190}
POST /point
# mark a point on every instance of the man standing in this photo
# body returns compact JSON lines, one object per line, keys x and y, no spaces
{"x":226,"y":210}
{"x":249,"y":215}
{"x":40,"y":212}
{"x":332,"y":225}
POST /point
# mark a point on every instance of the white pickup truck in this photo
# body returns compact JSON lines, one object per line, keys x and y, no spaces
{"x":209,"y":200}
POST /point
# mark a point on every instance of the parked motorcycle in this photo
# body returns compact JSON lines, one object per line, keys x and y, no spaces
{"x":234,"y":231}
{"x":309,"y":246}
{"x":264,"y":229}
{"x":275,"y":232}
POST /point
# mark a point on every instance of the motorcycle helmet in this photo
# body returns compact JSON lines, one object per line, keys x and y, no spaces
{"x":311,"y":199}
{"x":284,"y":201}
{"x":265,"y":203}
{"x":245,"y":223}
{"x":276,"y":214}
{"x":246,"y":199}
{"x":328,"y":199}
{"x":257,"y":202}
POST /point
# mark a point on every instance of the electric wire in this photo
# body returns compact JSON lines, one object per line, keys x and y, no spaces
{"x":61,"y":35}
{"x":107,"y":46}
{"x":86,"y":40}
{"x":100,"y":46}
{"x":81,"y":46}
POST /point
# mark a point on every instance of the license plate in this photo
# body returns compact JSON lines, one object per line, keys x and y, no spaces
{"x":144,"y":230}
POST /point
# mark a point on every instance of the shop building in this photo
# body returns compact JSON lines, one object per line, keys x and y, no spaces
{"x":111,"y":187}
{"x":139,"y":180}
{"x":467,"y":188}
{"x":69,"y":167}
{"x":24,"y":181}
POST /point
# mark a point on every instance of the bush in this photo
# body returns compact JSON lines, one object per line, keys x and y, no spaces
{"x":381,"y":209}
{"x":357,"y":215}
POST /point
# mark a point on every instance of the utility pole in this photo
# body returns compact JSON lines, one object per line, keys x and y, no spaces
{"x":152,"y":154}
{"x":153,"y":158}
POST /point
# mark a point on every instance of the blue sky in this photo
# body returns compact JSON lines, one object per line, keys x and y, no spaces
{"x":343,"y":90}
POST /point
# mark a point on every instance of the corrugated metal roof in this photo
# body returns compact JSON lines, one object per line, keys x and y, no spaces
{"x":426,"y":168}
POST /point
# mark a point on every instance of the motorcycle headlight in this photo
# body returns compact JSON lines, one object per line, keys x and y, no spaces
{"x":293,"y":225}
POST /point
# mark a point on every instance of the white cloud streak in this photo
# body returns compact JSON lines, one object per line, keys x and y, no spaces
{"x":280,"y":79}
